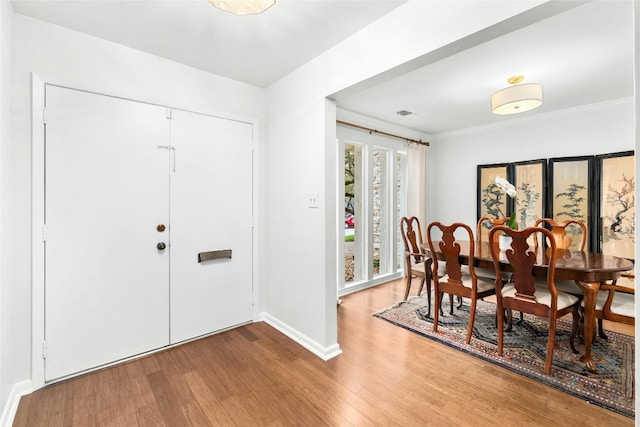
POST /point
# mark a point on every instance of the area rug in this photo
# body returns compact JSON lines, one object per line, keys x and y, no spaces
{"x":612,"y":387}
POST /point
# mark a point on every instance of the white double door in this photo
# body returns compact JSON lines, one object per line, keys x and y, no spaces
{"x":133,"y":194}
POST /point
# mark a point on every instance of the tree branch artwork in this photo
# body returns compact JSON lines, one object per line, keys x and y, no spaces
{"x":492,"y":200}
{"x":623,"y":200}
{"x":574,"y":200}
{"x":572,"y":206}
{"x":526,"y":207}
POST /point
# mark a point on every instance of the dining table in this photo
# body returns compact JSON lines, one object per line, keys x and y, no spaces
{"x":588,"y":269}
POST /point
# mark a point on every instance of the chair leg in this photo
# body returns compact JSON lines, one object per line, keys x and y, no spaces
{"x":408,"y":286}
{"x":500,"y":321}
{"x":436,"y":312}
{"x":451,"y":304}
{"x":551,"y":342}
{"x":509,"y":320}
{"x":459,"y":302}
{"x":574,"y":331}
{"x":472,"y":317}
{"x":428,"y":297}
{"x":580,"y":333}
{"x":421,"y":285}
{"x":601,"y":333}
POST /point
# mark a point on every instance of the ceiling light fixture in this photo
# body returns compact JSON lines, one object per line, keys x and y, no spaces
{"x":517,"y":98}
{"x":243,"y":7}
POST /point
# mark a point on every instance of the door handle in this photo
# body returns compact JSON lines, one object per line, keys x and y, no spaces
{"x":161,"y":246}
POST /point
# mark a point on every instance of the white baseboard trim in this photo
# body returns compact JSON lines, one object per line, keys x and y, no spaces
{"x":325,"y":353}
{"x":11,"y":407}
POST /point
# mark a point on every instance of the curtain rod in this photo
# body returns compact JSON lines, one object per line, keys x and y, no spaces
{"x":415,"y":141}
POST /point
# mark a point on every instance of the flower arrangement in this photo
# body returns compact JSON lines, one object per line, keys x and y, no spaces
{"x":510,"y":191}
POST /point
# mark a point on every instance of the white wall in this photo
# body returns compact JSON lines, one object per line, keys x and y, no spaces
{"x":6,"y":380}
{"x":300,"y":242}
{"x":595,"y":129}
{"x":70,"y":58}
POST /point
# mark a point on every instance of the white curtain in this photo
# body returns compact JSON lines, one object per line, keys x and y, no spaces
{"x":417,"y":182}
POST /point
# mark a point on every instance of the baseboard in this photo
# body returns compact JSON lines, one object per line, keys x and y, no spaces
{"x":11,"y":407}
{"x":325,"y":353}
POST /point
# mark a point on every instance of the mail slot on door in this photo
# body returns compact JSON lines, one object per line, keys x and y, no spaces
{"x":206,"y":256}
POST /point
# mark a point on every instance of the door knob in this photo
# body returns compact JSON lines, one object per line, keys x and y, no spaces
{"x":161,"y":246}
{"x":160,"y":228}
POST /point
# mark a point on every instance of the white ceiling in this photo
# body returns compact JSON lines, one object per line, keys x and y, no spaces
{"x":256,"y":49}
{"x":581,"y":56}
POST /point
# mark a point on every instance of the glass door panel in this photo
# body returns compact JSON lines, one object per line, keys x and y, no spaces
{"x":353,"y":213}
{"x":381,"y":211}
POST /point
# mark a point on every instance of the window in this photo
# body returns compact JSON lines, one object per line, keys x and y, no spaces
{"x":374,"y":201}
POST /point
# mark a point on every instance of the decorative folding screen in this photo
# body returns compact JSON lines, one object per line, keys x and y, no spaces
{"x":597,"y":190}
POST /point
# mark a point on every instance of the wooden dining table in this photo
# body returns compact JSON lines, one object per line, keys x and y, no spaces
{"x":588,"y":269}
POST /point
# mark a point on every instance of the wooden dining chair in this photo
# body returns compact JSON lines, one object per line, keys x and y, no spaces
{"x":455,"y":281}
{"x":615,"y":302}
{"x":523,"y":294}
{"x":559,"y":232}
{"x":564,"y":242}
{"x":480,"y":230}
{"x":491,"y":222}
{"x":416,"y":263}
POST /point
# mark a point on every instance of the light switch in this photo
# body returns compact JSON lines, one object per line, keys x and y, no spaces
{"x":313,"y":199}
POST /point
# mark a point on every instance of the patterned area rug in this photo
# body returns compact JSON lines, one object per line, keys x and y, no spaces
{"x":525,"y":350}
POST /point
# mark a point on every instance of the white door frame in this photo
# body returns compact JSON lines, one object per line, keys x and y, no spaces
{"x":38,"y":220}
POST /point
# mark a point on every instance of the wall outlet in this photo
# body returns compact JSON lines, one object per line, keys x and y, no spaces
{"x":313,"y":199}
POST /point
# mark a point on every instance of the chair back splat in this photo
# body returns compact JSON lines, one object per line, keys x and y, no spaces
{"x":490,"y":220}
{"x":559,"y":231}
{"x":522,"y":294}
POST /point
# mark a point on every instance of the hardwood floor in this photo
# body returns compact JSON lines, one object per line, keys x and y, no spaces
{"x":255,"y":376}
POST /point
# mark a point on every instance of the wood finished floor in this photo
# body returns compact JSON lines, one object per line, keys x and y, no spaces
{"x":255,"y":376}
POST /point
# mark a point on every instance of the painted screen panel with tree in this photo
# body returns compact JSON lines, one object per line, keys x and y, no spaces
{"x":491,"y":200}
{"x":571,"y":194}
{"x":530,"y":181}
{"x":616,"y":216}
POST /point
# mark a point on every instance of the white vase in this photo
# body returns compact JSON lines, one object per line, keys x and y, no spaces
{"x":504,"y":242}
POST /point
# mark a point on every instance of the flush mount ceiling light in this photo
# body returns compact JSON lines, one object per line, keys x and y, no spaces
{"x":243,"y":7}
{"x":517,"y":98}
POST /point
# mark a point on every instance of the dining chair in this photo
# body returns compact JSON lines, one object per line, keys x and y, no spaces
{"x":480,"y":227}
{"x":615,"y":302}
{"x":559,"y":231}
{"x":416,"y":263}
{"x":523,"y":295}
{"x":564,"y":242}
{"x":492,"y":221}
{"x":464,"y":284}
